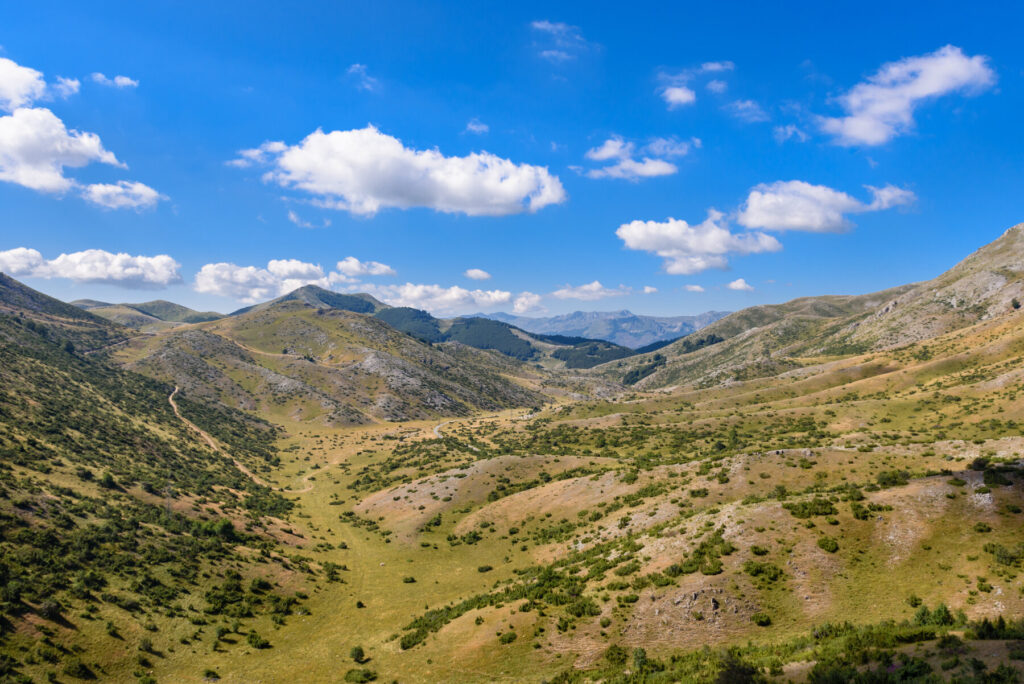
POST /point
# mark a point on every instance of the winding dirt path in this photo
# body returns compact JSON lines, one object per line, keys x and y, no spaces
{"x":238,"y":464}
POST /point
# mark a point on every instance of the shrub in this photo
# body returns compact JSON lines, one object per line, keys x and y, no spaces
{"x":358,"y":676}
{"x":507,"y":637}
{"x":256,"y":641}
{"x":828,"y":544}
{"x":761,"y":619}
{"x":357,"y":654}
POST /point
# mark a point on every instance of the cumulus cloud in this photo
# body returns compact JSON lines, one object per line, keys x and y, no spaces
{"x":652,"y":163}
{"x":798,"y":205}
{"x":19,"y":85}
{"x":438,"y":299}
{"x":116,"y":82}
{"x":747,"y":110}
{"x":35,"y":147}
{"x":352,"y":267}
{"x":694,"y":288}
{"x":363,"y":171}
{"x":882,"y":107}
{"x":692,"y":248}
{"x":122,"y":195}
{"x":477,"y":274}
{"x":526,"y":302}
{"x":741,"y":285}
{"x":590,"y":292}
{"x":676,"y":91}
{"x":93,"y":266}
{"x":362,"y":77}
{"x":477,"y":126}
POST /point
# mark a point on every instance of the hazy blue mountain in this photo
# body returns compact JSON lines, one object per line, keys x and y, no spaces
{"x":621,"y":327}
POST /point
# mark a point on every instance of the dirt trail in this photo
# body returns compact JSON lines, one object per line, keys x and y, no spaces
{"x":437,"y":433}
{"x":238,"y":464}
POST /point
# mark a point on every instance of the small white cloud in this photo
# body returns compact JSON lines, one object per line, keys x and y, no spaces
{"x":116,"y":82}
{"x":363,"y":171}
{"x":649,"y":289}
{"x":882,"y":107}
{"x":590,"y":292}
{"x":798,"y":205}
{"x":747,"y":110}
{"x":362,"y":77}
{"x":93,"y":266}
{"x":66,"y":87}
{"x":694,"y":288}
{"x":122,"y":195}
{"x":438,"y":299}
{"x":302,"y":223}
{"x":678,"y":96}
{"x":19,"y":85}
{"x":526,"y":302}
{"x":649,"y":166}
{"x":717,"y":86}
{"x":560,"y":42}
{"x":714,"y":67}
{"x":477,"y":274}
{"x":477,"y":127}
{"x":740,"y":284}
{"x":789,"y":132}
{"x":353,"y":267}
{"x":692,"y":248}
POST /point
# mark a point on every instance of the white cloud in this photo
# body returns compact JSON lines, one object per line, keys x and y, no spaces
{"x":248,"y":284}
{"x":35,"y":147}
{"x":435,"y":298}
{"x":116,"y":82}
{"x":122,"y":195}
{"x":526,"y":302}
{"x":692,"y":248}
{"x":649,"y":290}
{"x":717,"y":86}
{"x":93,"y":266}
{"x":363,"y":171}
{"x":747,"y":110}
{"x":302,"y":223}
{"x":66,"y":87}
{"x":353,"y":267}
{"x":589,"y":292}
{"x":714,"y":67}
{"x":477,"y":126}
{"x":787,"y":132}
{"x":650,"y":165}
{"x":797,"y":205}
{"x":694,"y":288}
{"x":363,"y":79}
{"x":561,"y":42}
{"x":19,"y":85}
{"x":883,"y":106}
{"x":741,"y":285}
{"x":477,"y":274}
{"x":678,"y":96}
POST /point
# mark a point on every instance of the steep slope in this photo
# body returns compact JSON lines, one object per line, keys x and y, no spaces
{"x":319,"y":298}
{"x":624,"y":328}
{"x":299,"y":361}
{"x":767,"y":340}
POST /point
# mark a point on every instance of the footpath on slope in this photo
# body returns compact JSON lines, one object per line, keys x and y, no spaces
{"x":238,"y":464}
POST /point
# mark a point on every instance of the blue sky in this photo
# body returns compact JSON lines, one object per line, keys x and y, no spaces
{"x":572,"y":153}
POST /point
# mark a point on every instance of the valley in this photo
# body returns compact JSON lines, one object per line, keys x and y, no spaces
{"x":813,"y":491}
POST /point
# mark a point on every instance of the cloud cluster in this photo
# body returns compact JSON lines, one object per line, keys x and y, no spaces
{"x":93,"y":266}
{"x":652,"y":160}
{"x":676,"y":88}
{"x":590,"y":292}
{"x":438,"y":299}
{"x":882,"y":107}
{"x":250,"y":284}
{"x":692,"y":248}
{"x":363,"y":171}
{"x":527,"y":302}
{"x":560,"y":42}
{"x":36,"y":147}
{"x":798,"y":205}
{"x":116,"y":82}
